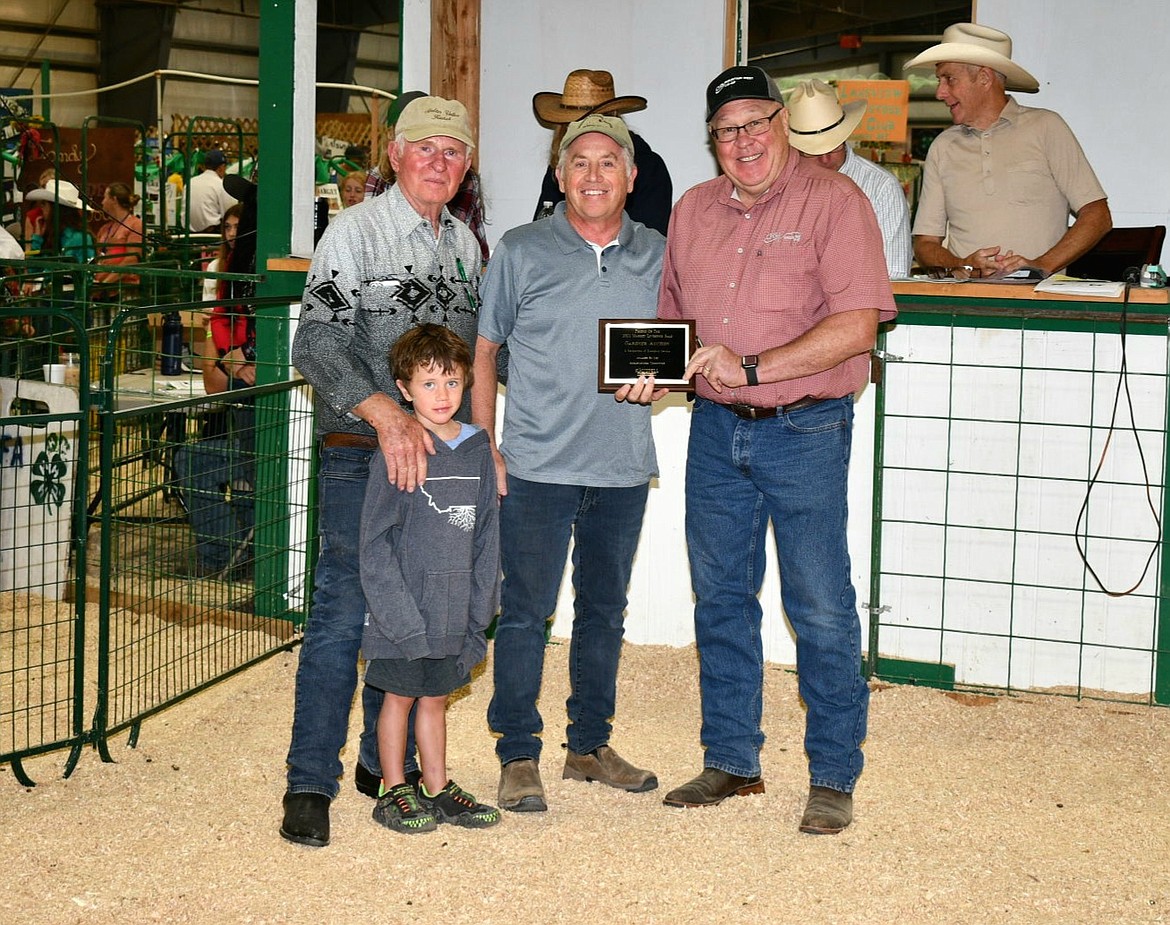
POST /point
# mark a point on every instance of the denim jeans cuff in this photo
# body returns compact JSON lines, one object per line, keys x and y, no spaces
{"x":732,"y":769}
{"x":510,"y":758}
{"x":325,"y":793}
{"x":832,"y":785}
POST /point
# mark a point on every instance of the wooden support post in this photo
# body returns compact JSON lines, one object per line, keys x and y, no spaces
{"x":731,"y":33}
{"x":455,"y":53}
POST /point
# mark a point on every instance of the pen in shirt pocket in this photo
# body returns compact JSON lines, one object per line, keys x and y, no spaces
{"x":467,"y":287}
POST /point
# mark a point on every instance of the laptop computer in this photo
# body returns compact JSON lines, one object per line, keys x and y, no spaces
{"x":1121,"y":249}
{"x":1107,"y":265}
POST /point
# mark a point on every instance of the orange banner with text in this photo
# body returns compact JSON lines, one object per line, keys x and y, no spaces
{"x":889,"y":101}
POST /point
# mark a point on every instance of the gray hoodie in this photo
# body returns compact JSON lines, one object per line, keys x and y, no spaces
{"x":430,"y":559}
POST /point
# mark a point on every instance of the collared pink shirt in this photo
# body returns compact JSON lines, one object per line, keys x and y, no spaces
{"x":759,"y":278}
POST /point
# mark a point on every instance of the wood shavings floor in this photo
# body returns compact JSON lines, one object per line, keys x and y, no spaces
{"x":1000,"y":810}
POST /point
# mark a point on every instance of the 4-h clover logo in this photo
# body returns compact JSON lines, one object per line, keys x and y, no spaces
{"x":47,"y":479}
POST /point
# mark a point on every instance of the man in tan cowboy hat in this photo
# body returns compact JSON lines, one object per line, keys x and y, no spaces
{"x":591,"y":92}
{"x":818,"y":127}
{"x":1000,"y":184}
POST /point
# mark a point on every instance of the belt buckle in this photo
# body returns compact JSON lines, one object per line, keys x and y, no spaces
{"x":744,"y":411}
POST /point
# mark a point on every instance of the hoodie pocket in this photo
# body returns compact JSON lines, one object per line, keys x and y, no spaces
{"x":446,"y":601}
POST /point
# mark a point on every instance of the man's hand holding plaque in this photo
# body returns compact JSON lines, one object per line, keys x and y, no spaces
{"x":640,"y":361}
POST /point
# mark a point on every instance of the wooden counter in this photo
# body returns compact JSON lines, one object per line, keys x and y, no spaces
{"x":289,"y":264}
{"x":972,"y":304}
{"x":978,"y":290}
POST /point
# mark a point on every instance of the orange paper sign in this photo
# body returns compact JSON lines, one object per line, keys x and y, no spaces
{"x":885,"y":118}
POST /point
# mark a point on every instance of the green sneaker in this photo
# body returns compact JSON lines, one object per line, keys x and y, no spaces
{"x":401,"y":811}
{"x":456,"y":806}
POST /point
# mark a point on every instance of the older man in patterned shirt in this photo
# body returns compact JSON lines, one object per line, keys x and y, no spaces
{"x":382,"y":267}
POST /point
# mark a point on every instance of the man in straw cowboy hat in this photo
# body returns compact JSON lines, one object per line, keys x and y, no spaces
{"x":588,"y":92}
{"x":818,"y":127}
{"x":999,"y":185}
{"x":779,"y":262}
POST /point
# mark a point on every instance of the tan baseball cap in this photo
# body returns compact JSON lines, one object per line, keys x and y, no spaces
{"x":432,"y":115}
{"x":613,"y":126}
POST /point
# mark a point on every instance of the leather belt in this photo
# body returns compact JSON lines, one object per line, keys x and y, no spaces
{"x":357,"y":441}
{"x":753,"y":413}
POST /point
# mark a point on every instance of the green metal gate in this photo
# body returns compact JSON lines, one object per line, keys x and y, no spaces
{"x":135,"y":623}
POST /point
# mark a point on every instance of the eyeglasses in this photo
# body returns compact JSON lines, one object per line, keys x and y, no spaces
{"x":728,"y":133}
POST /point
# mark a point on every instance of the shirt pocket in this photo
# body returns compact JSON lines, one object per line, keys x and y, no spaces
{"x":1029,"y":182}
{"x":446,"y":602}
{"x":389,"y":295}
{"x":780,"y":273}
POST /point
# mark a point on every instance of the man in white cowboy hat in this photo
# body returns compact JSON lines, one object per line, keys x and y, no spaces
{"x":61,"y":234}
{"x":818,"y":127}
{"x":1000,"y":184}
{"x":587,"y":91}
{"x":572,"y":462}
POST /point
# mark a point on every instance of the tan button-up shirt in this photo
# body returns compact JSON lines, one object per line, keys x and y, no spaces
{"x":1013,"y":185}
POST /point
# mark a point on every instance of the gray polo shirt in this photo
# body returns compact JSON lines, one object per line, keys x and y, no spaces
{"x":543,"y":293}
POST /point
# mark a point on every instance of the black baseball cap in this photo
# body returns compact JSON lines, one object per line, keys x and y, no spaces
{"x":404,"y":99}
{"x":742,"y":82}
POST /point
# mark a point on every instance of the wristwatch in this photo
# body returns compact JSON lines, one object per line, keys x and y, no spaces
{"x":749,"y":364}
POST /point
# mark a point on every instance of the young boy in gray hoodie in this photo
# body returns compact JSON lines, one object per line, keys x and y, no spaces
{"x":430,"y":564}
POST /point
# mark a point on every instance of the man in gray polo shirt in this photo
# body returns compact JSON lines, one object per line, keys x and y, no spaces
{"x":572,"y":463}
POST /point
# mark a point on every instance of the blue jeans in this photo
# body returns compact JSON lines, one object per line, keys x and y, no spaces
{"x":793,"y":471}
{"x":216,"y":482}
{"x":536,"y":522}
{"x":327,"y":671}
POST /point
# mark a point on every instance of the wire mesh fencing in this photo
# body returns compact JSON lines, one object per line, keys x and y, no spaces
{"x":43,"y":435}
{"x":155,"y":537}
{"x":1019,"y":495}
{"x":192,"y":583}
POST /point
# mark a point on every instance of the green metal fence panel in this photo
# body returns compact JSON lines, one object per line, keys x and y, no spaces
{"x":189,"y":595}
{"x":160,"y":584}
{"x":44,"y":436}
{"x":1011,"y":437}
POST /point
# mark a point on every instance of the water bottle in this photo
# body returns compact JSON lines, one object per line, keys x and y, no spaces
{"x":172,"y":345}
